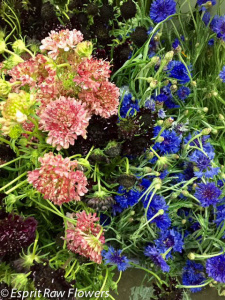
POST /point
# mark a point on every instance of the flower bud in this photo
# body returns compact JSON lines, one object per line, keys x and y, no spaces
{"x":194,"y":83}
{"x":147,"y":170}
{"x":5,"y":88}
{"x":173,"y":88}
{"x":168,"y":122}
{"x":84,"y":49}
{"x":150,"y":155}
{"x":185,"y":193}
{"x":206,"y":131}
{"x":221,"y":117}
{"x":215,"y":93}
{"x":205,"y":109}
{"x":191,"y":256}
{"x":2,"y":46}
{"x":161,"y":212}
{"x":160,"y":139}
{"x":153,"y":84}
{"x":159,"y":122}
{"x":19,"y":46}
{"x":169,"y":56}
{"x":184,"y":221}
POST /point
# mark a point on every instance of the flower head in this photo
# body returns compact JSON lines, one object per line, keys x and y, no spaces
{"x":104,"y":101}
{"x":171,"y":142}
{"x":63,"y":40}
{"x":91,"y":72}
{"x":183,"y":92}
{"x":114,"y":257}
{"x":170,"y":239}
{"x":128,"y":105}
{"x":206,"y":3}
{"x":207,"y":193}
{"x":16,"y":233}
{"x":161,"y":9}
{"x":193,"y":275}
{"x":177,"y":70}
{"x":222,"y":73}
{"x":86,"y":237}
{"x":58,"y":179}
{"x":32,"y":72}
{"x":127,"y":198}
{"x":65,"y":119}
{"x":218,"y":26}
{"x":156,"y":257}
{"x":215,"y":268}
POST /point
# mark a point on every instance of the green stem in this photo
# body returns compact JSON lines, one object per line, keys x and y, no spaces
{"x":104,"y":283}
{"x":9,"y":162}
{"x":119,"y":277}
{"x":16,"y":187}
{"x":146,"y":270}
{"x":195,"y":286}
{"x":11,"y":182}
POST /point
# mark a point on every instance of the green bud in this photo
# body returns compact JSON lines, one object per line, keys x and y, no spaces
{"x":147,"y":170}
{"x":19,"y":46}
{"x":5,"y":88}
{"x":23,"y":142}
{"x":191,"y":256}
{"x":206,"y":131}
{"x":84,"y":49}
{"x":15,"y":132}
{"x":2,"y":46}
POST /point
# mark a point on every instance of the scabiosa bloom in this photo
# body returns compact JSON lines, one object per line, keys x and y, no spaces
{"x":193,"y":274}
{"x":32,"y":72}
{"x":207,"y":193}
{"x":183,"y":92}
{"x":86,"y":237}
{"x":161,"y":9}
{"x":16,"y":233}
{"x":104,"y":101}
{"x":218,"y":27}
{"x":114,"y":257}
{"x":177,"y":70}
{"x":169,"y":239}
{"x":64,"y":119}
{"x":171,"y":143}
{"x":63,"y":40}
{"x":222,"y":73}
{"x":127,"y":198}
{"x":129,"y":105}
{"x":215,"y":268}
{"x":58,"y":179}
{"x":156,"y":257}
{"x":91,"y":72}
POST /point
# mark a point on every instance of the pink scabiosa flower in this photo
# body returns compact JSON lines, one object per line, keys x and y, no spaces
{"x":63,"y":40}
{"x":58,"y":179}
{"x":64,"y":119}
{"x":104,"y":101}
{"x":91,"y":72}
{"x":86,"y":237}
{"x":32,"y":72}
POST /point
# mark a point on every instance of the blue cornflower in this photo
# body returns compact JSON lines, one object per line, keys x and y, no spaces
{"x":183,"y":92}
{"x":206,"y":18}
{"x":128,"y":104}
{"x":203,"y":164}
{"x":202,"y":2}
{"x":164,"y":174}
{"x":158,"y":202}
{"x":161,"y":98}
{"x":116,"y":209}
{"x":211,"y":42}
{"x":207,"y":193}
{"x":161,"y":9}
{"x":161,"y":113}
{"x":177,"y":70}
{"x":156,"y":257}
{"x":218,"y":27}
{"x":207,"y":147}
{"x":127,"y":198}
{"x":169,"y":239}
{"x":114,"y":257}
{"x":171,"y":143}
{"x":150,"y":104}
{"x":222,"y":73}
{"x":215,"y":268}
{"x":220,"y":216}
{"x":176,"y":43}
{"x":193,"y":274}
